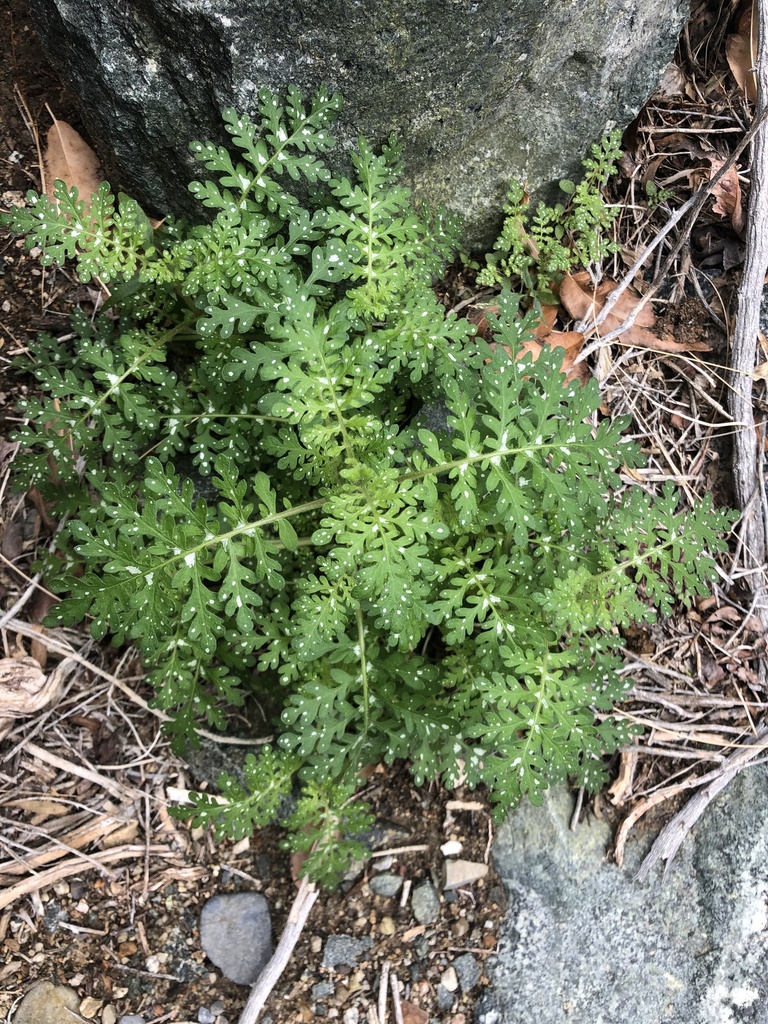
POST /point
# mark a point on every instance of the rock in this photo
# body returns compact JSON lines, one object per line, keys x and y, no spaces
{"x":479,"y":92}
{"x":386,"y":926}
{"x":386,"y":884}
{"x":452,"y":848}
{"x":445,"y":999}
{"x":131,"y":1018}
{"x":450,"y":980}
{"x":425,"y":903}
{"x":459,"y":873}
{"x":323,"y":989}
{"x":236,"y":934}
{"x":204,"y":1016}
{"x":582,"y":933}
{"x":468,"y":971}
{"x":344,"y":949}
{"x":46,"y":1003}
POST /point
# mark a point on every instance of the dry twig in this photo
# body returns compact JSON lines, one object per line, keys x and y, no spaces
{"x":671,"y":837}
{"x":297,"y":916}
{"x":749,"y":441}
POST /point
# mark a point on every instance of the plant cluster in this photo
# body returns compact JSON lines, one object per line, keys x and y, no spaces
{"x":287,"y":470}
{"x":537,"y":247}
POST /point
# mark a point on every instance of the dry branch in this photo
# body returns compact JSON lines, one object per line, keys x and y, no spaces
{"x":749,"y":440}
{"x":299,"y":912}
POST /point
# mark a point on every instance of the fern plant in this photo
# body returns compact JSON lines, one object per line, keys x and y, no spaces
{"x":285,"y":467}
{"x":535,"y":248}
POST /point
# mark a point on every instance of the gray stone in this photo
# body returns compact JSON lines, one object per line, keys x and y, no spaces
{"x":425,"y":903}
{"x":478,"y":92}
{"x":583,"y":939}
{"x":445,"y":999}
{"x":46,"y":1003}
{"x":205,"y":1016}
{"x":467,"y":968}
{"x":323,"y":989}
{"x":385,"y":884}
{"x":344,"y":949}
{"x":236,"y":934}
{"x":131,"y":1018}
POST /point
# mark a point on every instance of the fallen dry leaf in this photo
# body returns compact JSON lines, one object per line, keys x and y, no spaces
{"x":70,"y":159}
{"x":760,"y":372}
{"x":727,"y":193}
{"x":571,"y":341}
{"x":741,"y":53}
{"x":584,"y":300}
{"x":25,"y":688}
{"x":413,"y":1014}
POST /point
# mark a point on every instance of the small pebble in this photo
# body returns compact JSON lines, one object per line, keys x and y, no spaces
{"x":89,"y":1007}
{"x":445,"y":999}
{"x":217,"y":1007}
{"x":385,"y":884}
{"x":315,"y":943}
{"x":323,"y":989}
{"x":467,"y":970}
{"x":131,"y":1018}
{"x":449,"y":980}
{"x":343,"y":950}
{"x":387,"y":926}
{"x":46,"y":1003}
{"x":425,"y":903}
{"x":204,"y":1016}
{"x":109,"y":1014}
{"x":459,"y":873}
{"x":236,"y":934}
{"x":452,"y":848}
{"x":352,"y":1015}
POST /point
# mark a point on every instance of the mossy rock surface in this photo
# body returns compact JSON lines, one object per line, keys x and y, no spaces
{"x":479,"y":92}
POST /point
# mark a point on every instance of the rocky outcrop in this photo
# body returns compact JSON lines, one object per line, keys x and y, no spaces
{"x":479,"y":91}
{"x":584,"y":942}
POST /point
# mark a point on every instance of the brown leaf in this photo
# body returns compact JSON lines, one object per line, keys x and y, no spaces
{"x":70,"y":159}
{"x":413,"y":1014}
{"x":547,"y":322}
{"x":741,"y":53}
{"x":727,"y":193}
{"x":581,"y":298}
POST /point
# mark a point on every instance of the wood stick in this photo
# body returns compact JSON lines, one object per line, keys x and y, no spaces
{"x":671,"y":837}
{"x":299,"y":912}
{"x":72,"y":866}
{"x":748,"y":443}
{"x":383,"y":986}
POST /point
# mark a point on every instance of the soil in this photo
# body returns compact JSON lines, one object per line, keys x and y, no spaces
{"x":101,"y":889}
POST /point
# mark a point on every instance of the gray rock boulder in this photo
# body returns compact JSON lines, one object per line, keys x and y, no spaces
{"x":478,"y":92}
{"x":584,"y":942}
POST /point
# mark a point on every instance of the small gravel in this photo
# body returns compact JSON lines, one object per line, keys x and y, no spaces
{"x":386,"y":884}
{"x":468,"y":971}
{"x":236,"y":934}
{"x":445,"y":999}
{"x":344,"y":950}
{"x":425,"y":903}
